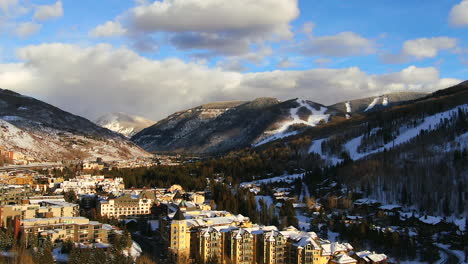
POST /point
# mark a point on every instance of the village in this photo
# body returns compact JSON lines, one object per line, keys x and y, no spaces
{"x":92,"y":210}
{"x":71,"y":201}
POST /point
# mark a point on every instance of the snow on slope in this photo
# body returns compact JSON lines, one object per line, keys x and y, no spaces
{"x":348,"y":107}
{"x":314,"y":118}
{"x":385,"y":101}
{"x":47,"y":143}
{"x":286,"y":178}
{"x":372,"y":104}
{"x":316,"y":147}
{"x":125,"y":124}
{"x":406,"y":134}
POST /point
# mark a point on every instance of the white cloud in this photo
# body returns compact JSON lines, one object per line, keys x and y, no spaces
{"x":421,"y":48}
{"x":108,"y":29}
{"x":215,"y":16}
{"x":308,"y":27}
{"x":97,"y":79}
{"x":428,"y":47}
{"x":459,"y":14}
{"x":5,"y":5}
{"x":27,"y":29}
{"x":341,"y":44}
{"x":213,"y":26}
{"x":47,"y":12}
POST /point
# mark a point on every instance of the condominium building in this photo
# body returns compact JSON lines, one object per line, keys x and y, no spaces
{"x":127,"y":205}
{"x":223,"y":238}
{"x":76,"y":229}
{"x":42,"y":209}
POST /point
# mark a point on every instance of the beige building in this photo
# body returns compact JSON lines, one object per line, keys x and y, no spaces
{"x":76,"y":229}
{"x":41,"y":209}
{"x":223,"y":238}
{"x":127,"y":205}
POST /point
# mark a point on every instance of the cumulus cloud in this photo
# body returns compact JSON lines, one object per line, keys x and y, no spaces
{"x":48,"y":12}
{"x":5,"y":5}
{"x":421,"y":48}
{"x":217,"y":27}
{"x":428,"y":47}
{"x":108,"y":29}
{"x":459,"y":14}
{"x":308,"y":27}
{"x":93,"y":80}
{"x":341,"y":44}
{"x":27,"y":29}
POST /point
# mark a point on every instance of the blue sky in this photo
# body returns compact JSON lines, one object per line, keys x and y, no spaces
{"x":196,"y":51}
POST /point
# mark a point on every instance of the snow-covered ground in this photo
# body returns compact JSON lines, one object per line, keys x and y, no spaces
{"x":458,"y":253}
{"x":314,"y":118}
{"x":285,"y":178}
{"x":304,"y":221}
{"x":134,"y":251}
{"x":267,"y":199}
{"x":348,"y":107}
{"x":58,"y":256}
{"x":385,"y":101}
{"x":316,"y":147}
{"x":372,"y":104}
{"x":406,"y":134}
{"x":154,"y":224}
{"x":304,"y":192}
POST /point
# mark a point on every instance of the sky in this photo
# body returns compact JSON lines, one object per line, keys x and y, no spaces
{"x":152,"y":58}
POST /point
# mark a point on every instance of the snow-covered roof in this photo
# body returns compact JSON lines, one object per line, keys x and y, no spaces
{"x":343,"y":258}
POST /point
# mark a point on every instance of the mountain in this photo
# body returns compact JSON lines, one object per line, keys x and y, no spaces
{"x":223,"y":126}
{"x":413,"y":154}
{"x":125,"y":124}
{"x":44,"y":132}
{"x":376,"y":103}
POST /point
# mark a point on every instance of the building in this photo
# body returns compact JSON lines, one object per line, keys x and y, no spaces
{"x":367,"y":257}
{"x":14,"y":194}
{"x":127,"y":205}
{"x":219,"y":237}
{"x":87,"y":184}
{"x":76,"y":229}
{"x":37,"y":209}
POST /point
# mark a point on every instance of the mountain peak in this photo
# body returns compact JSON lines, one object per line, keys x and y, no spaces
{"x":123,"y":123}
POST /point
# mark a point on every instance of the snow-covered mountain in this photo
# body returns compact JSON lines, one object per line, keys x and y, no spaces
{"x":41,"y":131}
{"x":125,"y":124}
{"x":224,"y":126}
{"x":414,"y":153}
{"x":376,"y":103}
{"x":305,"y":113}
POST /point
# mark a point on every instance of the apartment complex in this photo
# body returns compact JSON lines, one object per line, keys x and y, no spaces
{"x":127,"y":205}
{"x":76,"y":229}
{"x":218,"y":237}
{"x":51,"y":217}
{"x":14,"y":194}
{"x":37,"y":209}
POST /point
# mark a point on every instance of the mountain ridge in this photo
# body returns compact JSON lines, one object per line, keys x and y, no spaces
{"x":41,"y":131}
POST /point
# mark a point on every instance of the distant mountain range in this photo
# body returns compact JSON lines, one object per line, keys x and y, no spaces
{"x":125,"y":124}
{"x":224,"y":126}
{"x":41,"y":131}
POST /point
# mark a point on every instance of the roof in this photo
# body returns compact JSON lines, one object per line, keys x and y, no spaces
{"x":343,"y":259}
{"x":371,"y":256}
{"x":178,"y":195}
{"x":179,"y":215}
